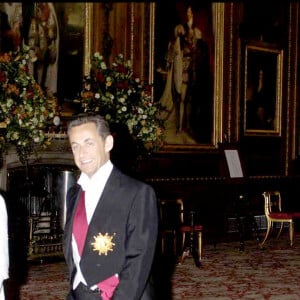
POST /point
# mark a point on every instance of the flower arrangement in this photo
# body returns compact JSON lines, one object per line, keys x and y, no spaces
{"x":24,"y":110}
{"x":122,"y":99}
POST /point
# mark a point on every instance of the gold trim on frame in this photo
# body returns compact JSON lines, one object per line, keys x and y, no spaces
{"x":263,"y":53}
{"x":218,"y":10}
{"x":137,"y":43}
{"x":87,"y":38}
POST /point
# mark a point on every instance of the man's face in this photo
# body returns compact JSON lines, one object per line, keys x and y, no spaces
{"x":90,"y":151}
{"x":189,"y":13}
{"x":181,"y":30}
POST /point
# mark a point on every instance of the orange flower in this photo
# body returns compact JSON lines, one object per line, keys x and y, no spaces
{"x":6,"y":57}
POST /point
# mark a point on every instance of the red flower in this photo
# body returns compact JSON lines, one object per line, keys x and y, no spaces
{"x":2,"y":76}
{"x":122,"y":84}
{"x":147,"y":89}
{"x":121,"y":69}
{"x":30,"y":94}
{"x":100,"y":77}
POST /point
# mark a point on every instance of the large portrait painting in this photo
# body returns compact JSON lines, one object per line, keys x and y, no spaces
{"x":262,"y":90}
{"x":186,"y":50}
{"x":54,"y":32}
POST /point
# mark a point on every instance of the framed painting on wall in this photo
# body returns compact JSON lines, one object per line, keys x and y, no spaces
{"x":57,"y":36}
{"x":262,"y":90}
{"x":188,"y":66}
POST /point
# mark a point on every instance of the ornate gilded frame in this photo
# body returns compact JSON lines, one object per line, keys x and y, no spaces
{"x":218,"y":16}
{"x":139,"y":45}
{"x":88,"y":40}
{"x":266,"y":62}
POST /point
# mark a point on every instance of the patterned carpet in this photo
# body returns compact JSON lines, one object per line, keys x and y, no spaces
{"x":226,"y":273}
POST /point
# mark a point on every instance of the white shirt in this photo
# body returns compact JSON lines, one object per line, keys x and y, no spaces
{"x":4,"y":256}
{"x":93,"y":188}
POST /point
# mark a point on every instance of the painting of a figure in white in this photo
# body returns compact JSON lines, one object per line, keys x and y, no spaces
{"x":187,"y":75}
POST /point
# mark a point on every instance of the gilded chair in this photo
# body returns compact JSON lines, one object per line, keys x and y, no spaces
{"x":176,"y":224}
{"x":274,"y":214}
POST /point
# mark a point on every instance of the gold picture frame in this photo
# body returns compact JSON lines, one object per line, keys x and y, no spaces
{"x":262,"y":96}
{"x":59,"y":34}
{"x":141,"y":46}
{"x":216,"y":13}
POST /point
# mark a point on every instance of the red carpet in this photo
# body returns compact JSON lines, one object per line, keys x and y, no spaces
{"x":226,"y":273}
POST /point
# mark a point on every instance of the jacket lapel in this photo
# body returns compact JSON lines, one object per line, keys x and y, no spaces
{"x":108,"y":197}
{"x":73,"y":199}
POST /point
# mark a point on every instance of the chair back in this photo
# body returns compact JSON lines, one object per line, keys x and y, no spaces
{"x":171,"y":213}
{"x":272,"y":202}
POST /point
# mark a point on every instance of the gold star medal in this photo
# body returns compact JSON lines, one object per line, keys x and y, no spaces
{"x":103,"y":243}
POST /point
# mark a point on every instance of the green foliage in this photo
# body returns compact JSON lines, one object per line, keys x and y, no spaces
{"x":122,"y":99}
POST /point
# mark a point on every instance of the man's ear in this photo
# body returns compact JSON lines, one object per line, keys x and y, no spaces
{"x":109,"y":143}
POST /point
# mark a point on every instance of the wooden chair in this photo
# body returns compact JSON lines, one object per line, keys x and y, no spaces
{"x":175,"y":224}
{"x":274,"y":214}
{"x":170,"y":220}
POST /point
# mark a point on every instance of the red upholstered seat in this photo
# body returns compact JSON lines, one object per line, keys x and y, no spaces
{"x":174,"y":224}
{"x":281,"y":215}
{"x":296,"y":215}
{"x":187,"y":228}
